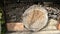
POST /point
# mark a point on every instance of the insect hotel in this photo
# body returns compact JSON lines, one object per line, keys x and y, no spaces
{"x":32,"y":17}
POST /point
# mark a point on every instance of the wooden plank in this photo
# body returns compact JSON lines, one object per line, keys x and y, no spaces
{"x":40,"y":32}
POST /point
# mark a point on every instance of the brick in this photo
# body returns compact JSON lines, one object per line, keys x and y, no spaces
{"x":15,"y":26}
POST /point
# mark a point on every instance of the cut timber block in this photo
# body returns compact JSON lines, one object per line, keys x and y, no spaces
{"x":51,"y":25}
{"x":52,"y":22}
{"x":58,"y":26}
{"x":15,"y":26}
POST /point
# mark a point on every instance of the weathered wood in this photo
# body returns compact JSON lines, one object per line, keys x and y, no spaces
{"x":35,"y":17}
{"x":41,"y":32}
{"x":15,"y":26}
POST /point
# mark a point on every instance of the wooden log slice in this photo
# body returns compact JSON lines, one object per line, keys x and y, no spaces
{"x":35,"y":17}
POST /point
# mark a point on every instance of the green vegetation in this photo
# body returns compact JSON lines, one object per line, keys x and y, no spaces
{"x":2,"y":21}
